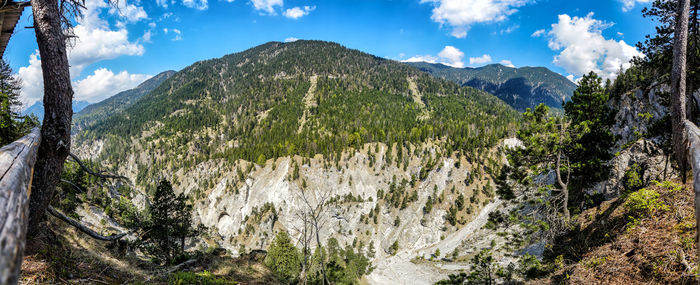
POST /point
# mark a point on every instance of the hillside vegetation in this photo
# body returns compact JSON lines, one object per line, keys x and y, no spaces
{"x":521,"y":88}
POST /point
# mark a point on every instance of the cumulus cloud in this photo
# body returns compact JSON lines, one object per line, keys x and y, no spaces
{"x":629,"y":4}
{"x":450,"y":56}
{"x":460,"y":15}
{"x":196,"y":4}
{"x":32,"y":80}
{"x":95,"y":41}
{"x":104,"y":83}
{"x":583,"y":48}
{"x":267,"y":6}
{"x":298,"y":12}
{"x":93,"y":88}
{"x":480,"y":60}
{"x":290,"y":39}
{"x":507,"y":63}
{"x":538,"y":33}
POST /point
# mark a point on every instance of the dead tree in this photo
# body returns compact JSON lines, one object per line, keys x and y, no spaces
{"x":305,"y":233}
{"x":678,"y":83}
{"x":314,"y":214}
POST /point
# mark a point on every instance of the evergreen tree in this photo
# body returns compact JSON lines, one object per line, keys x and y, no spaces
{"x":284,"y":258}
{"x":12,"y":126}
{"x":170,"y":223}
{"x":591,"y":119}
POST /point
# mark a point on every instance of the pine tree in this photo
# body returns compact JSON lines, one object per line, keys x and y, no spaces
{"x":283,"y":257}
{"x":170,"y":224}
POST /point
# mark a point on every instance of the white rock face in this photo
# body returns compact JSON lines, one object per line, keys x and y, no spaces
{"x":225,"y":204}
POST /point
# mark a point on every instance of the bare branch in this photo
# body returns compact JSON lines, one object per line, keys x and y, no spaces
{"x":82,"y":227}
{"x":93,"y":173}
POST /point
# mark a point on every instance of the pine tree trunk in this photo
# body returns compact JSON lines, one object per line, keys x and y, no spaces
{"x":678,"y":82}
{"x":58,"y":96}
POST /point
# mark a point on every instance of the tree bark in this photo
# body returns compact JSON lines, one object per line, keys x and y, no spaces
{"x":58,"y":96}
{"x":678,"y":83}
{"x":564,"y":186}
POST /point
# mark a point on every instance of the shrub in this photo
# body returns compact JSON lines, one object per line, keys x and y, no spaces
{"x":643,"y":203}
{"x":633,"y":179}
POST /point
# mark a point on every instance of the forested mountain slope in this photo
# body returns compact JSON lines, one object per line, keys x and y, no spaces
{"x":95,"y":113}
{"x":257,"y":101}
{"x":522,"y":88}
{"x":398,"y":159}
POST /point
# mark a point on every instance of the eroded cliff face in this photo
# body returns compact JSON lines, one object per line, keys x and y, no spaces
{"x":246,"y":213}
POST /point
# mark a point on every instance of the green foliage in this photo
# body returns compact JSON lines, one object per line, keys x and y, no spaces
{"x":644,"y":203}
{"x":483,"y":269}
{"x":632,"y":181}
{"x":394,"y":248}
{"x":12,"y":125}
{"x":170,"y":224}
{"x":99,"y":112}
{"x":368,"y":104}
{"x":512,"y":85}
{"x":199,"y":278}
{"x":283,"y":258}
{"x":591,"y":119}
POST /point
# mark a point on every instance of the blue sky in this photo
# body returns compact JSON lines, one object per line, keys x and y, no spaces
{"x":118,"y":49}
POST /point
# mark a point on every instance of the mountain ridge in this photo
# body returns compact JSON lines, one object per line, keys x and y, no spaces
{"x":523,"y":87}
{"x":97,"y":112}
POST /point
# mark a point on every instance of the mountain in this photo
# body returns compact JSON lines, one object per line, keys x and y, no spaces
{"x":403,"y":160}
{"x":521,"y":88}
{"x":97,"y":112}
{"x":308,"y":98}
{"x":38,"y":108}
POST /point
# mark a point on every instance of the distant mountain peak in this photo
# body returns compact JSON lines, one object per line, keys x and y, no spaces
{"x":523,"y":87}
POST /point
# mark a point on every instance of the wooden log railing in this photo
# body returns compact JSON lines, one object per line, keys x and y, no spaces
{"x":16,"y":168}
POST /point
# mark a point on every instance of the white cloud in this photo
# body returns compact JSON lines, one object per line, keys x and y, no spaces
{"x":584,"y":49}
{"x":629,"y":4}
{"x":298,"y":12}
{"x":507,"y":63}
{"x":178,"y":33}
{"x":267,"y":6}
{"x":96,"y":41}
{"x":460,"y":15}
{"x":146,"y":38}
{"x":93,"y":88}
{"x":480,"y":60}
{"x":32,"y":80}
{"x":571,"y":78}
{"x":196,"y":4}
{"x":538,"y":33}
{"x":422,"y":58}
{"x":453,"y":56}
{"x":290,"y":39}
{"x":510,"y":29}
{"x":129,"y":12}
{"x":162,"y":3}
{"x":450,"y":56}
{"x":103,"y":83}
